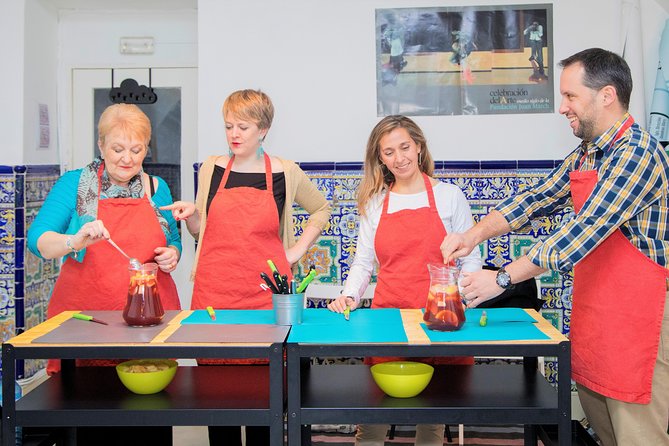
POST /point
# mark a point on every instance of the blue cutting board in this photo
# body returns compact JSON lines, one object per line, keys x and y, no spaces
{"x":504,"y":324}
{"x":319,"y":325}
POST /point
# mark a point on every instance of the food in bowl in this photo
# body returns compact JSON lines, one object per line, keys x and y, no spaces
{"x":146,"y":376}
{"x":402,"y":379}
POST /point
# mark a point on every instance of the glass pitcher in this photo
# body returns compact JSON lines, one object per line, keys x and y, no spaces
{"x":444,"y":310}
{"x":143,"y":308}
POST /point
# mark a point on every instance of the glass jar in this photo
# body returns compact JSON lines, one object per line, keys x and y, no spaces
{"x":143,"y":307}
{"x":444,"y":310}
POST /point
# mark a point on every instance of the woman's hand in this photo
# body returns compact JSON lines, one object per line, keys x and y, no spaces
{"x":294,"y":254}
{"x":167,"y":258}
{"x":339,"y":304}
{"x":89,"y":234}
{"x":181,"y":210}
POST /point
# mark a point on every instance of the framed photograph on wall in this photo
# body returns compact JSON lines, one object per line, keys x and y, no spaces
{"x":465,"y":60}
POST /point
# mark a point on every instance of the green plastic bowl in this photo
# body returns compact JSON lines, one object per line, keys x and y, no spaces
{"x":402,"y":379}
{"x":143,"y":380}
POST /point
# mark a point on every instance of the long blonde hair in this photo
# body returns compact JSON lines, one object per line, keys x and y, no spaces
{"x":376,"y":176}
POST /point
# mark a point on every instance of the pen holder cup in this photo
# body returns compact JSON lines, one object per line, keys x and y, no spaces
{"x":288,"y":308}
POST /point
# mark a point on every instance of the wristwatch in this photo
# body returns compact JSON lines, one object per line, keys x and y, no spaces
{"x":503,"y":279}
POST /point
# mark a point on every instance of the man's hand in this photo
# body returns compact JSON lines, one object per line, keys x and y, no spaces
{"x":456,"y":245}
{"x":479,"y":286}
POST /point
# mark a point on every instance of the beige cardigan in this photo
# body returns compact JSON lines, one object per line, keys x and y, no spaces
{"x":299,"y":189}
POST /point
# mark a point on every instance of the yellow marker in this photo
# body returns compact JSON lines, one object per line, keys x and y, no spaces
{"x":347,"y":312}
{"x":211,"y":312}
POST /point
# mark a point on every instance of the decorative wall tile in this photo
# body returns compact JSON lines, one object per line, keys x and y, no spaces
{"x":7,"y":227}
{"x":25,"y":280}
{"x":6,"y":190}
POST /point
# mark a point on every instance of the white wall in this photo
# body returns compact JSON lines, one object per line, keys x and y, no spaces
{"x":90,"y":39}
{"x":11,"y":79}
{"x":317,"y":63}
{"x":653,"y":18}
{"x":40,"y":81}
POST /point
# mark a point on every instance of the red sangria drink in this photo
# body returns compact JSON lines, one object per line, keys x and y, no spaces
{"x":143,"y":307}
{"x":444,"y":310}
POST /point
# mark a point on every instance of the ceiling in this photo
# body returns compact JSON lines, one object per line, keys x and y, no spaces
{"x":123,"y":4}
{"x":162,"y":4}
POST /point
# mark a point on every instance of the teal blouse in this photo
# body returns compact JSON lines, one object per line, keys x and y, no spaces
{"x":58,"y":213}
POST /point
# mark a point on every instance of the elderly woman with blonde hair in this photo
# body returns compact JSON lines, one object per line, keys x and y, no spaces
{"x":112,"y":197}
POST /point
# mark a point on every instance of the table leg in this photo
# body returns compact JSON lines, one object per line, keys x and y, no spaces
{"x":530,"y":435}
{"x":564,"y":394}
{"x":294,"y":373}
{"x":276,"y":378}
{"x":8,"y":395}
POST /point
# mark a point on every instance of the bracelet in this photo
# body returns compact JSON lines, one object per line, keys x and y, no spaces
{"x":68,"y":244}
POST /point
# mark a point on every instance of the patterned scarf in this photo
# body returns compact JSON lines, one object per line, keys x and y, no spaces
{"x":87,"y":194}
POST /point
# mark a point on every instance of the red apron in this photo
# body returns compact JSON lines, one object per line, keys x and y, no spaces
{"x":405,"y":242}
{"x":618,"y":303}
{"x":101,"y":281}
{"x":242,"y":233}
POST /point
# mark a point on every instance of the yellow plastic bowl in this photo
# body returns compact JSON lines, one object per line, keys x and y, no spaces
{"x":402,"y":379}
{"x":146,"y":376}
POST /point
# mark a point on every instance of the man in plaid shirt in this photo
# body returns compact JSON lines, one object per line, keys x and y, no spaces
{"x":617,"y":243}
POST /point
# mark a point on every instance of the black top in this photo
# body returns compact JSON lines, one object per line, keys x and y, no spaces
{"x":249,"y":179}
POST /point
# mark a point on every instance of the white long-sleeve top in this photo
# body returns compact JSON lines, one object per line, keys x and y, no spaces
{"x":453,"y":210}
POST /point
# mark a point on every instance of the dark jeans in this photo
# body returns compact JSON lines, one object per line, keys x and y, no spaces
{"x":538,"y":53}
{"x":124,"y":435}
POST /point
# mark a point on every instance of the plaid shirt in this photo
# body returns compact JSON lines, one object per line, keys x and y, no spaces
{"x":631,"y":194}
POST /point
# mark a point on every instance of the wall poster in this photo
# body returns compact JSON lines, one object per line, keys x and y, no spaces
{"x":465,"y":60}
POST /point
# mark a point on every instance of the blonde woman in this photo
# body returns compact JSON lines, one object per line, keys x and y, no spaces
{"x":404,"y":216}
{"x":243,"y":216}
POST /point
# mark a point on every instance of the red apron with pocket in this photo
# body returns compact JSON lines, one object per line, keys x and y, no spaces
{"x":617,"y":307}
{"x":405,"y":242}
{"x":242,"y":233}
{"x":101,"y":281}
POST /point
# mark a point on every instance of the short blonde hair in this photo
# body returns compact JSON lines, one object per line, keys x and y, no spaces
{"x":250,"y":105}
{"x":129,"y":118}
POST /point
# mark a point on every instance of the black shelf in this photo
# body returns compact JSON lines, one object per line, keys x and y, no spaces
{"x":198,"y":396}
{"x":202,"y":395}
{"x":481,"y":394}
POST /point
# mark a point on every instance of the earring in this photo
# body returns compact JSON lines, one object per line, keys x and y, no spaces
{"x":260,"y":151}
{"x":419,"y":158}
{"x":230,"y":153}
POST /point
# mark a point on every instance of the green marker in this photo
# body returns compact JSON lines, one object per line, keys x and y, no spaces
{"x":484,"y":319}
{"x":272,"y":267}
{"x":306,"y":281}
{"x":85,"y":317}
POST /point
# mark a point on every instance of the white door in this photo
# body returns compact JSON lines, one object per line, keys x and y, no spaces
{"x":174,"y":141}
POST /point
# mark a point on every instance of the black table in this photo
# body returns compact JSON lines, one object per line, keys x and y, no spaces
{"x":94,"y":396}
{"x":479,"y":394}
